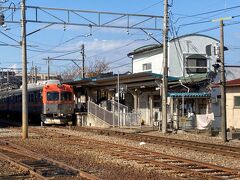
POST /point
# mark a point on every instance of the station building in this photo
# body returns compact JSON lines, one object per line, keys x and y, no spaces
{"x":139,"y":93}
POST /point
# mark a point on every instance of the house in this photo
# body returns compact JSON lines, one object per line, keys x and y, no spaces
{"x":232,"y":103}
{"x":186,"y":56}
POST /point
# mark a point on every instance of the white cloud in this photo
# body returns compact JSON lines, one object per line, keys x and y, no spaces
{"x":14,"y":67}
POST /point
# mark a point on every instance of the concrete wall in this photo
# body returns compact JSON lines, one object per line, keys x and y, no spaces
{"x":178,"y":50}
{"x":233,"y":113}
{"x":95,"y":122}
{"x":144,"y":108}
{"x":154,"y":57}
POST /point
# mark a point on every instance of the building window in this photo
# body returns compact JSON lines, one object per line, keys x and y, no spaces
{"x":147,"y":67}
{"x":237,"y":101}
{"x":196,"y":64}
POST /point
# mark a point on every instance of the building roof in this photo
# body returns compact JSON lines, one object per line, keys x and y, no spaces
{"x":186,"y":35}
{"x":189,"y":94}
{"x":194,"y":78}
{"x":235,"y":82}
{"x":130,"y":79}
{"x":146,"y":48}
{"x":152,"y":47}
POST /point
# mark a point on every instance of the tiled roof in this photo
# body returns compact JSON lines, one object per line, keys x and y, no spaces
{"x":235,"y":82}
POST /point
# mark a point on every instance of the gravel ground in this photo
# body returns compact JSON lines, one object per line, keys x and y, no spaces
{"x":175,"y":151}
{"x":7,"y":171}
{"x":108,"y":167}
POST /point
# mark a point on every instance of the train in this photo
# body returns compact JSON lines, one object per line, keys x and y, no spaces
{"x":49,"y":102}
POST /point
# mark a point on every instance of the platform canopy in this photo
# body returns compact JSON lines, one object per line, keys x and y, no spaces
{"x":189,"y":94}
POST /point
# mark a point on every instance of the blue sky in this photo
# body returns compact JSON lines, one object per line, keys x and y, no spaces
{"x":113,"y":45}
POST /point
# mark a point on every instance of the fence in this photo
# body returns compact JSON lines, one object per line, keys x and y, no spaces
{"x":111,"y":117}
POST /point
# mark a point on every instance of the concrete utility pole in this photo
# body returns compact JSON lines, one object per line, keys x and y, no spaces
{"x":223,"y":83}
{"x":24,"y":74}
{"x":83,"y":61}
{"x":118,"y":91}
{"x":165,"y":69}
{"x":48,"y":63}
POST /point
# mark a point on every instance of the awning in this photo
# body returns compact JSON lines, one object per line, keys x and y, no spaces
{"x":189,"y":94}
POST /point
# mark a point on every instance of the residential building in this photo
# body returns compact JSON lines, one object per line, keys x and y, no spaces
{"x":232,"y":103}
{"x":186,"y":55}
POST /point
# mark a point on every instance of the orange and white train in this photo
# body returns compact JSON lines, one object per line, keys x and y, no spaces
{"x":48,"y":103}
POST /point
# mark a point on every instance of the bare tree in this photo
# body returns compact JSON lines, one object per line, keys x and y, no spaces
{"x":96,"y":68}
{"x":93,"y":69}
{"x":71,"y":73}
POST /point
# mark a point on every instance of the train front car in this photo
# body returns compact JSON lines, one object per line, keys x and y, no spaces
{"x":58,"y":104}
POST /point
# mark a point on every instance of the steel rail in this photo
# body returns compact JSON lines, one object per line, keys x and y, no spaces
{"x":192,"y":145}
{"x":182,"y":165}
{"x":37,"y":164}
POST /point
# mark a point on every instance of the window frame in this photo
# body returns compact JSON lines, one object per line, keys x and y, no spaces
{"x":147,"y":68}
{"x":198,"y":60}
{"x":234,"y":102}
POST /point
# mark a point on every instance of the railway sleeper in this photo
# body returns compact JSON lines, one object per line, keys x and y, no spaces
{"x":48,"y":169}
{"x":208,"y":170}
{"x":173,"y":162}
{"x":16,"y":176}
{"x":196,"y":167}
{"x":224,"y":175}
{"x":57,"y":172}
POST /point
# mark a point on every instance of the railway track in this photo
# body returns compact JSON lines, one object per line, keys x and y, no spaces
{"x":180,"y":166}
{"x":192,"y":145}
{"x":38,"y":166}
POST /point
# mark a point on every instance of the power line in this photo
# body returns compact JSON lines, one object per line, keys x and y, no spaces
{"x":208,"y":12}
{"x":72,"y":52}
{"x":201,"y":22}
{"x":120,"y":47}
{"x":9,"y":37}
{"x":149,"y":6}
{"x":215,"y":27}
{"x":117,"y":60}
{"x":121,"y":65}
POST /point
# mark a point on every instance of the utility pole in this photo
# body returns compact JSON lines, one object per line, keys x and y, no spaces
{"x":48,"y":63}
{"x":83,"y":61}
{"x":165,"y":69}
{"x":223,"y":79}
{"x":36,"y":73}
{"x":118,"y":91}
{"x":24,"y":74}
{"x":223,"y":84}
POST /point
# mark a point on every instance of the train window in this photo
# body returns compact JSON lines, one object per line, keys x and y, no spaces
{"x":66,"y":96}
{"x":52,"y":96}
{"x":35,"y":97}
{"x":39,"y":95}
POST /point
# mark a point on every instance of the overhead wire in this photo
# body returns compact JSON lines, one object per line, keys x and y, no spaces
{"x":34,"y":49}
{"x":206,"y":21}
{"x":208,"y":12}
{"x":179,"y":54}
{"x":214,"y":28}
{"x":75,"y":37}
